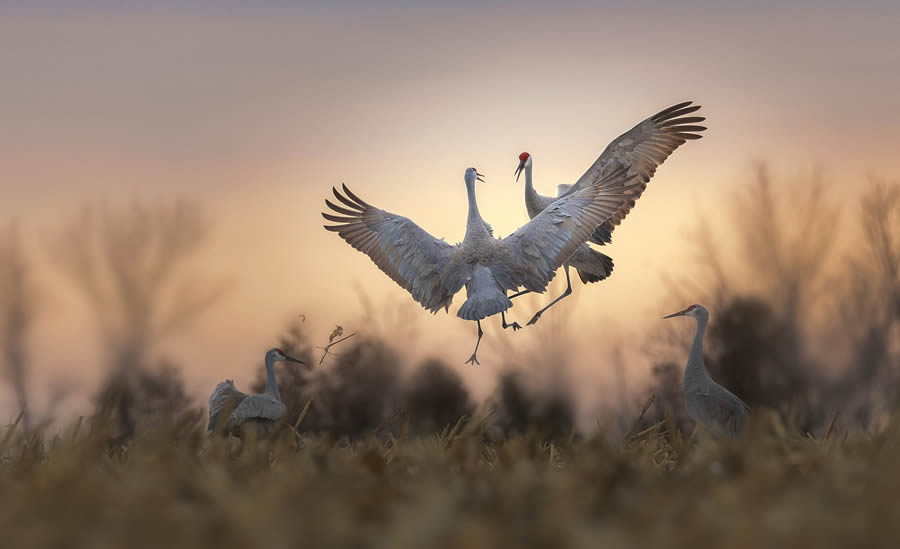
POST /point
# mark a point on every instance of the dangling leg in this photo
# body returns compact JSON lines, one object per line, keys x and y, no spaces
{"x":517,"y":294}
{"x":568,"y":291}
{"x":474,"y":359}
{"x":515,"y":325}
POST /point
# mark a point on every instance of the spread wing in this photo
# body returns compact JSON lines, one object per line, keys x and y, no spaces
{"x":224,"y":396}
{"x":641,"y":150}
{"x":257,"y":407}
{"x":530,"y":256}
{"x":420,"y":263}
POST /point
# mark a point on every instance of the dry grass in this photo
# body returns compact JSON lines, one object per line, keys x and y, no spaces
{"x":173,"y":487}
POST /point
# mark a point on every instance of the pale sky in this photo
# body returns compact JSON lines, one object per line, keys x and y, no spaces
{"x":257,"y":111}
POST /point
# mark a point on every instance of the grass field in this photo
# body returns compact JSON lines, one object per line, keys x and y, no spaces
{"x":174,"y":487}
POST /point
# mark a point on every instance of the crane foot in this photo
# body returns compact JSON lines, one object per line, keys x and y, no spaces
{"x":515,"y":326}
{"x":473,"y":360}
{"x":534,"y":319}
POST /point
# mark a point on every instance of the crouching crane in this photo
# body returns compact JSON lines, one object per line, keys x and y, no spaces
{"x":262,"y":410}
{"x":708,"y":403}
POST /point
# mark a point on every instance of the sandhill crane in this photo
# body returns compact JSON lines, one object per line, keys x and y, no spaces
{"x":433,"y":271}
{"x":263,"y":410}
{"x":639,"y":150}
{"x":708,"y":403}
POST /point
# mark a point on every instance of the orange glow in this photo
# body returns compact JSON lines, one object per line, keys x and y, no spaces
{"x":258,"y":114}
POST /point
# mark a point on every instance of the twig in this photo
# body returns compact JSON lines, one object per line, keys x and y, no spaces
{"x":332,"y":344}
{"x":296,"y":427}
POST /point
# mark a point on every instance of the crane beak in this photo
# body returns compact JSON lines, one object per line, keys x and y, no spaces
{"x":679,"y":313}
{"x":292,"y":359}
{"x":479,"y":177}
{"x":519,"y":170}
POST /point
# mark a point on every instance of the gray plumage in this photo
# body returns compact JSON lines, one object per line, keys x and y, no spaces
{"x":708,"y":403}
{"x":432,"y":270}
{"x":264,"y":409}
{"x":639,"y":151}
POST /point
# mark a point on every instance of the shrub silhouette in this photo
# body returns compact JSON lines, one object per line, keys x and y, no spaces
{"x":520,"y":409}
{"x":435,"y":397}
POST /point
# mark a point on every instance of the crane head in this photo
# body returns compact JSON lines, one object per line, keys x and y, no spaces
{"x":472,"y":175}
{"x":524,"y":160}
{"x":696,"y":310}
{"x":278,"y":354}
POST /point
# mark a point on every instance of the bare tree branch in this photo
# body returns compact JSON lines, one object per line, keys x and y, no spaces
{"x":132,"y":266}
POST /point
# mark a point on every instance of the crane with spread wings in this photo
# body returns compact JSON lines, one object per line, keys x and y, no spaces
{"x":432,"y":270}
{"x":640,"y":150}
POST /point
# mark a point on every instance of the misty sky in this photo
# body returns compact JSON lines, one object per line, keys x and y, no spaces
{"x":257,"y":111}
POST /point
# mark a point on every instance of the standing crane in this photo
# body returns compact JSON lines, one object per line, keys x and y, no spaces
{"x":639,"y":150}
{"x":707,"y":402}
{"x":263,"y":410}
{"x":433,"y":271}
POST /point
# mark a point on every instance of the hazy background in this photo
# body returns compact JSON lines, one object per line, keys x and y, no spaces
{"x":251,"y":114}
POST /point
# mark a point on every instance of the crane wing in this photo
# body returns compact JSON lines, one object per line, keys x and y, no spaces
{"x":724,"y":410}
{"x":224,"y":396}
{"x":420,"y":263}
{"x":530,"y":256}
{"x":257,"y":407}
{"x":641,"y":150}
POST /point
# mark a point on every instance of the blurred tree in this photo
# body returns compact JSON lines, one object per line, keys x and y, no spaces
{"x":358,"y":393}
{"x":753,"y":353}
{"x":16,"y":312}
{"x":130,"y":264}
{"x":434,"y":397}
{"x":549,"y":412}
{"x":787,"y":239}
{"x":868,"y":308}
{"x":156,"y":395}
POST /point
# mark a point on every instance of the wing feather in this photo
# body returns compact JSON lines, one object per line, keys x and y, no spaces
{"x":723,"y":410}
{"x":530,"y":256}
{"x":257,"y":407}
{"x":224,"y":396}
{"x":421,"y":264}
{"x":641,"y":150}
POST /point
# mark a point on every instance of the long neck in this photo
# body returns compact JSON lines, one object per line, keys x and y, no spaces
{"x":532,"y":200}
{"x":475,"y":224}
{"x":696,"y":370}
{"x":271,"y":383}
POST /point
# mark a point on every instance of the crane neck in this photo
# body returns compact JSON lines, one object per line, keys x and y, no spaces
{"x":696,"y":369}
{"x":271,"y":382}
{"x":532,"y":199}
{"x":475,"y":224}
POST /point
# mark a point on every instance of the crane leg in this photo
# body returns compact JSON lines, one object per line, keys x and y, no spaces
{"x":474,"y":359}
{"x":566,"y":293}
{"x":515,"y":325}
{"x":517,"y":294}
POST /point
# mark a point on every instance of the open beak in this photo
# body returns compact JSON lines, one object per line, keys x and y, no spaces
{"x":479,"y":177}
{"x":679,"y":313}
{"x":519,"y":169}
{"x":292,"y":359}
